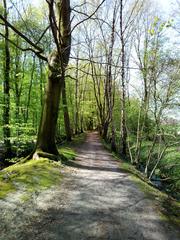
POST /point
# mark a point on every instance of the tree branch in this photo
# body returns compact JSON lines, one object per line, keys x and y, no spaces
{"x":90,"y":16}
{"x":21,"y":34}
{"x":38,"y":54}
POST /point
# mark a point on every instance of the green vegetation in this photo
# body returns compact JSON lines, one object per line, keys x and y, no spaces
{"x":32,"y":176}
{"x":168,"y":169}
{"x":59,"y":78}
{"x":36,"y":175}
{"x":67,"y":153}
{"x":168,"y":207}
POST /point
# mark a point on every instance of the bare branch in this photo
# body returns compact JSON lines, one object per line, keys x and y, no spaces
{"x":90,"y":16}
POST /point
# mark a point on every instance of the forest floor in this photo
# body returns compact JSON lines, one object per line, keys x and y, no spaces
{"x":95,"y":200}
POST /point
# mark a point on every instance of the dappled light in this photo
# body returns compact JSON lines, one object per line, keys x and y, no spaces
{"x":89,"y":119}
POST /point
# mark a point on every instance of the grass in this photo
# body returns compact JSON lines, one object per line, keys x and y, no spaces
{"x":67,"y":150}
{"x":77,"y":140}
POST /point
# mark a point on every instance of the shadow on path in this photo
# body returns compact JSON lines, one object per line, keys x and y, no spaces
{"x":96,"y":201}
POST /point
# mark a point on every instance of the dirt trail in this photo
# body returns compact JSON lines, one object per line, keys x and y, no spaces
{"x":95,"y":201}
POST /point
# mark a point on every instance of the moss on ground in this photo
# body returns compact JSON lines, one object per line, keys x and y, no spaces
{"x":36,"y":175}
{"x":32,"y":176}
{"x":67,"y":153}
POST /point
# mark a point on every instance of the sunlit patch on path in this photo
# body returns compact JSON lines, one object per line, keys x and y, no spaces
{"x":95,"y":201}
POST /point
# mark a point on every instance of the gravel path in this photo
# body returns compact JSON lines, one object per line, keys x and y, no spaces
{"x":95,"y":201}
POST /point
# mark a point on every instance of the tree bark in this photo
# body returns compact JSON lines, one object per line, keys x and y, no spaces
{"x":105,"y":130}
{"x":66,"y":113}
{"x":47,"y":130}
{"x":57,"y":63}
{"x":6,"y":108}
{"x":123,"y":97}
{"x":30,"y":89}
{"x":76,"y":96}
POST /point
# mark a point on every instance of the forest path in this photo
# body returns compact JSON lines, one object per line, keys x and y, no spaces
{"x":95,"y":201}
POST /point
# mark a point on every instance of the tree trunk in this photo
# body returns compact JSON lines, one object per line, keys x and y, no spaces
{"x":66,"y":113}
{"x":6,"y":108}
{"x":105,"y":130}
{"x":57,"y":63}
{"x":123,"y":88}
{"x":76,"y":97}
{"x":47,"y":130}
{"x":30,"y":89}
{"x":113,"y":139}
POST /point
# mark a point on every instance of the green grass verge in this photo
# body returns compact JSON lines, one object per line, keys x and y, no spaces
{"x":77,"y":140}
{"x":67,"y":151}
{"x":66,"y":154}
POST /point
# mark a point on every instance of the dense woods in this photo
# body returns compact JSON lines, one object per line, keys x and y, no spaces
{"x":71,"y":66}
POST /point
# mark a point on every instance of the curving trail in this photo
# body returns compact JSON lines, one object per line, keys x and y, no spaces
{"x":95,"y":201}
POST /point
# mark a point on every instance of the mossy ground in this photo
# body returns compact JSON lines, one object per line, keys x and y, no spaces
{"x":32,"y":176}
{"x":36,"y":175}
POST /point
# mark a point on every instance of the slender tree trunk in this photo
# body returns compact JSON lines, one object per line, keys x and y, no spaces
{"x":6,"y":108}
{"x":76,"y":96}
{"x":66,"y":113}
{"x":41,"y":81}
{"x":123,"y":97}
{"x":29,"y":92}
{"x":113,"y":135}
{"x":105,"y":130}
{"x":17,"y":90}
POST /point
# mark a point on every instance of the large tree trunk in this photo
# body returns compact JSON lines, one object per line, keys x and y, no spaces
{"x":47,"y":130}
{"x":6,"y":108}
{"x":57,"y":63}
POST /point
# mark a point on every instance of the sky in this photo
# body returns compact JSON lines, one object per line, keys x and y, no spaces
{"x":164,"y":3}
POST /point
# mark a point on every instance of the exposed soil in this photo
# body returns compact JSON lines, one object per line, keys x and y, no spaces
{"x":95,"y":201}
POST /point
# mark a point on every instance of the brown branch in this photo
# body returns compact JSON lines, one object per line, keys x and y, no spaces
{"x":103,"y":63}
{"x":42,"y":35}
{"x":53,"y":24}
{"x":21,"y":34}
{"x":25,"y":49}
{"x":90,"y":16}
